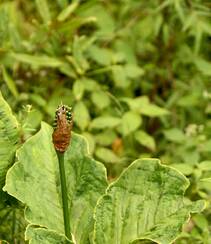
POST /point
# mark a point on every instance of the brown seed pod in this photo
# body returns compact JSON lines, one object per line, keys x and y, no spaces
{"x":62,"y":128}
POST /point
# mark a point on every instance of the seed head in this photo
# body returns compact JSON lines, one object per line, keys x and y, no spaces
{"x":63,"y":123}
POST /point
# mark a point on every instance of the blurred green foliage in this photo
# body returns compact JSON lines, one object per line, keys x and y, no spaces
{"x":137,"y":74}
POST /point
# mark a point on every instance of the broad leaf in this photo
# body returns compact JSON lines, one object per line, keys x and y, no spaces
{"x":8,"y":139}
{"x":133,"y":71}
{"x":120,"y":76}
{"x":105,"y":122}
{"x":91,"y":141}
{"x":130,"y":122}
{"x":100,"y":99}
{"x":38,"y":235}
{"x":106,"y":138}
{"x":102,"y":56}
{"x":174,"y":135}
{"x":146,"y":202}
{"x":34,"y":180}
{"x":144,"y":106}
{"x":107,"y":155}
{"x":81,"y":115}
{"x":153,"y":110}
{"x":78,"y":89}
{"x":186,"y":169}
{"x":145,"y":139}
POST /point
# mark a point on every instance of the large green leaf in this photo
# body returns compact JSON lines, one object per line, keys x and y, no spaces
{"x":34,"y":180}
{"x":41,"y":235}
{"x":146,"y":202}
{"x":8,"y":139}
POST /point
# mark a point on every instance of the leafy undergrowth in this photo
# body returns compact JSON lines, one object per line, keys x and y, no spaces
{"x":145,"y":203}
{"x":12,"y":222}
{"x":137,"y":74}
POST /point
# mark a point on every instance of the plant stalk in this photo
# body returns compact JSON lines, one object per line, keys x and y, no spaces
{"x":64,"y":194}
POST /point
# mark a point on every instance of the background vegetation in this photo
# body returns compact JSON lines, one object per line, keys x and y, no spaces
{"x":137,"y":74}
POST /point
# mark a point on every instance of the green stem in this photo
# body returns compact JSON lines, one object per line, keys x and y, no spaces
{"x":64,"y":194}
